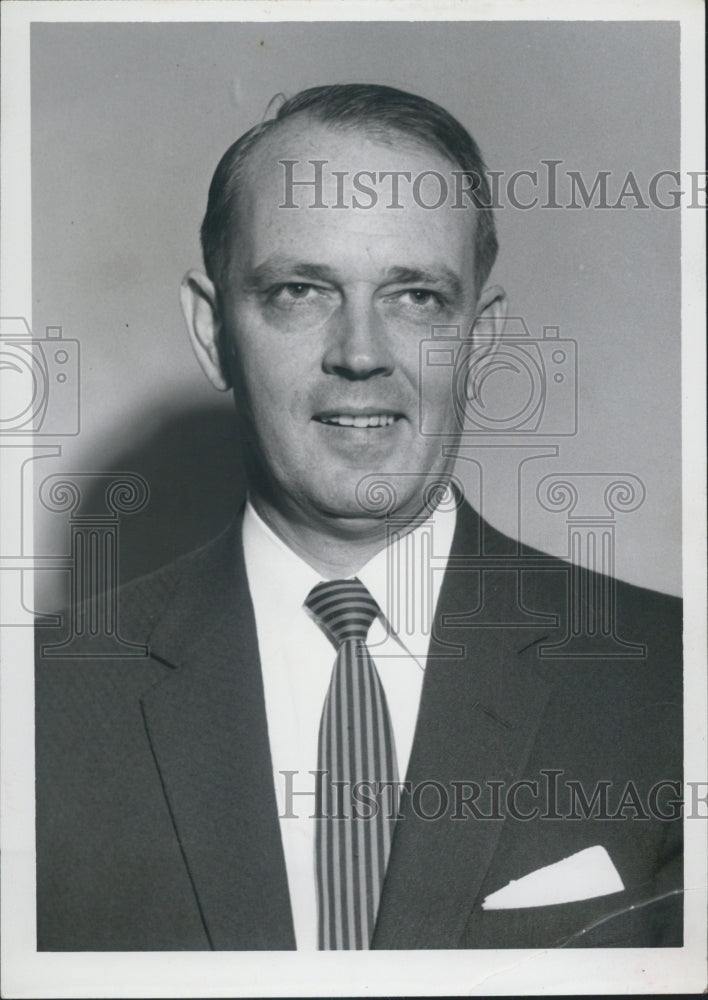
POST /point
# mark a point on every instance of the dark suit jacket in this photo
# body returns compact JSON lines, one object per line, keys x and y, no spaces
{"x":157,"y":825}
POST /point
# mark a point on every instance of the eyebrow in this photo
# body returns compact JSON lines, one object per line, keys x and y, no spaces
{"x":278,"y":267}
{"x":442,"y":275}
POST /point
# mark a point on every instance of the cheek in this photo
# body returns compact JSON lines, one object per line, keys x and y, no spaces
{"x":277,"y":409}
{"x":275,"y":368}
{"x":270,"y":378}
{"x":437,"y":391}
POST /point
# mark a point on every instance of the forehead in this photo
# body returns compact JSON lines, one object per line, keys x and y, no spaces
{"x":309,"y":188}
{"x":305,"y":136}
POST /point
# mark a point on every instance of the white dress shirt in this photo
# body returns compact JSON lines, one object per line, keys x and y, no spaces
{"x":297,"y":661}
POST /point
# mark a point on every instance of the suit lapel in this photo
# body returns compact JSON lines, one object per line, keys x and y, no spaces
{"x":477,"y":720}
{"x":208,"y":732}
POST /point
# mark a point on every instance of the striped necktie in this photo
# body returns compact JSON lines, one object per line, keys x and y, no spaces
{"x":357,"y":753}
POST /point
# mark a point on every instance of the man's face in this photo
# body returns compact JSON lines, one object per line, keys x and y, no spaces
{"x":322,"y":322}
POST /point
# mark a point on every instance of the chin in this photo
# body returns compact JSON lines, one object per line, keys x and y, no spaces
{"x":371,"y":498}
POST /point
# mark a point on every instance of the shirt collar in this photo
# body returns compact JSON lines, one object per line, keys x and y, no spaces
{"x":404,"y":587}
{"x":273,"y":569}
{"x":405,"y":577}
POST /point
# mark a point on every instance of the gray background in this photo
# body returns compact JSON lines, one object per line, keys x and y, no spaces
{"x":128,"y":123}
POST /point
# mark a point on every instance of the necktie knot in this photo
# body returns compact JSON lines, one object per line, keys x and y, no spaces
{"x":344,"y":608}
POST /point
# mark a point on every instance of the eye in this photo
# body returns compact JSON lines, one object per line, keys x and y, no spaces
{"x":421,"y":298}
{"x":293,"y":290}
{"x":289,"y":295}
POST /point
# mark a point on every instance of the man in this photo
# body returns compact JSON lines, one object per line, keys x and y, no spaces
{"x":240,"y":787}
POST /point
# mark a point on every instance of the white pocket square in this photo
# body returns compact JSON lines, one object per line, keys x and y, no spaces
{"x":584,"y":875}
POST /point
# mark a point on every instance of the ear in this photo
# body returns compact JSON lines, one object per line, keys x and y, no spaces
{"x":201,"y":313}
{"x":490,"y":317}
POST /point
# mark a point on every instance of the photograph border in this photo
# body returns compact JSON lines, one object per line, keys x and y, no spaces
{"x":28,"y":973}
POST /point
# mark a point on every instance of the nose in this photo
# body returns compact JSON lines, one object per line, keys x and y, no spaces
{"x":357,"y":346}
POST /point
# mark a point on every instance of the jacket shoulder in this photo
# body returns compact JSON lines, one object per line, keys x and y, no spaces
{"x":137,"y":605}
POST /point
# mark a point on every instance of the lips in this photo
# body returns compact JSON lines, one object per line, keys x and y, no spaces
{"x":359,"y":420}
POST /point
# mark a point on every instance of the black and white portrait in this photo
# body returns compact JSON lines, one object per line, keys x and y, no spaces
{"x":347,"y":365}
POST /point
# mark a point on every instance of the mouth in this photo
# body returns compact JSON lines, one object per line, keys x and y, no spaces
{"x":366,"y":420}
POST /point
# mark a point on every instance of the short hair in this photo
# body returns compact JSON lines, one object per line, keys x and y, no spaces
{"x":382,"y":112}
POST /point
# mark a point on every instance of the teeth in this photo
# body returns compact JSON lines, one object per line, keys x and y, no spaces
{"x":348,"y":420}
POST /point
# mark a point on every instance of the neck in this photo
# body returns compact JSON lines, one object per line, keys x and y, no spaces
{"x":332,"y":553}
